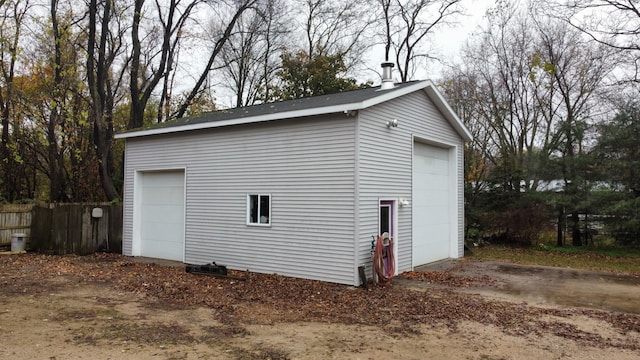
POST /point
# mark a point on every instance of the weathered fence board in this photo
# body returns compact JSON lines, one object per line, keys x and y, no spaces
{"x":70,"y":228}
{"x":14,"y":218}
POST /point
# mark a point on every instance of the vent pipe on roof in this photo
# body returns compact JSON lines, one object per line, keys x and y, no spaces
{"x":387,"y":77}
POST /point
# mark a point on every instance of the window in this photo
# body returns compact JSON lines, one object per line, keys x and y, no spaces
{"x":385,"y":219}
{"x":259,"y":209}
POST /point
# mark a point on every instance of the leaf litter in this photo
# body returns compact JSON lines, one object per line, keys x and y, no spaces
{"x":271,"y":298}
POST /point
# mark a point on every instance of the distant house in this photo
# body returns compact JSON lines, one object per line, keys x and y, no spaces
{"x":299,"y":187}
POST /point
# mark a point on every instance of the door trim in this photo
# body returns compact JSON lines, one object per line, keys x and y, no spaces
{"x":393,"y":205}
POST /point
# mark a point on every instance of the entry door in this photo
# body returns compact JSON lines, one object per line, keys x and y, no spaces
{"x":387,"y":223}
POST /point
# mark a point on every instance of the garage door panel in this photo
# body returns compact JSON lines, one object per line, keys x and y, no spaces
{"x":163,"y":179}
{"x":435,"y":198}
{"x":160,"y":249}
{"x":170,"y":195}
{"x":431,"y":202}
{"x":431,"y":243}
{"x":162,"y":231}
{"x":162,"y":215}
{"x":437,"y":215}
{"x":431,"y":153}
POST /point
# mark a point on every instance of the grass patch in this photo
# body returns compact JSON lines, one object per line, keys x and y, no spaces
{"x":587,"y":257}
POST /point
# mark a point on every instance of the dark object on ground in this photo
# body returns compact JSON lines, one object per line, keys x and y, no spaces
{"x":209,"y":269}
{"x":363,"y":277}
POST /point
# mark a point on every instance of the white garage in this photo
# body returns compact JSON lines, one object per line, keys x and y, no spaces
{"x":160,"y":215}
{"x":432,"y":188}
{"x":328,"y":174}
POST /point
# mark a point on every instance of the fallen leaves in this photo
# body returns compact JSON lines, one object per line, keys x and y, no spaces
{"x":269,"y":298}
{"x":448,"y":279}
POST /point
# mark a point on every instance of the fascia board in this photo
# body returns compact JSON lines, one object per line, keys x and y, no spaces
{"x":245,"y":120}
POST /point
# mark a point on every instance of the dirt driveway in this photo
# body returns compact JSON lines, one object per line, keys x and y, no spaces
{"x":542,"y":285}
{"x":111,"y":307}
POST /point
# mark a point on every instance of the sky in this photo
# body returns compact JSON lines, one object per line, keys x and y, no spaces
{"x":448,"y":43}
{"x":451,"y":40}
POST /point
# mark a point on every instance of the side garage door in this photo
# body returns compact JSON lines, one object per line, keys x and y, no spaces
{"x":431,"y":204}
{"x":162,"y":215}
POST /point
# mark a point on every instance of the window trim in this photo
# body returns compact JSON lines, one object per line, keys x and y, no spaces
{"x":248,"y":217}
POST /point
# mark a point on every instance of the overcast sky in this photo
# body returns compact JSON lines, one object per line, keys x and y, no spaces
{"x":448,"y":43}
{"x":450,"y":40}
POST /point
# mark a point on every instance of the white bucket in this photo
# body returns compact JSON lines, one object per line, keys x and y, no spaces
{"x":18,"y":242}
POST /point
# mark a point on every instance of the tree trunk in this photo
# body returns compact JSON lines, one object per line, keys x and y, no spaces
{"x":5,"y":150}
{"x":560,"y":237}
{"x":136,"y":114}
{"x":101,"y":99}
{"x":576,"y":238}
{"x":57,"y":185}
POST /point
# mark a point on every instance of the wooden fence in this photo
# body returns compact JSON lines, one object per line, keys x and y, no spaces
{"x":14,"y":219}
{"x":69,"y":228}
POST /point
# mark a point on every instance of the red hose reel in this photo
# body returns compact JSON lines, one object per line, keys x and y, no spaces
{"x":384,"y":262}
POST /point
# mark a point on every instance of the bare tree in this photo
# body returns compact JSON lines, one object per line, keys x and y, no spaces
{"x":533,"y":84}
{"x":221,"y":38}
{"x":578,"y":70}
{"x":462,"y":89}
{"x":250,"y":56}
{"x":508,"y":97}
{"x":276,"y":29}
{"x":104,"y":44}
{"x":57,"y":182}
{"x":172,"y":19}
{"x":614,"y":23}
{"x":336,"y":28}
{"x":408,"y":24}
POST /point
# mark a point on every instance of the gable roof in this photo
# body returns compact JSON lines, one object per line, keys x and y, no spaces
{"x":317,"y":105}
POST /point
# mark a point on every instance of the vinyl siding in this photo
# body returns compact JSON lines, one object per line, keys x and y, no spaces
{"x":306,"y":165}
{"x":385,"y":160}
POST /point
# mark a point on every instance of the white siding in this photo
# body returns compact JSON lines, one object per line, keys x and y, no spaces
{"x":307,"y":165}
{"x":384,"y":163}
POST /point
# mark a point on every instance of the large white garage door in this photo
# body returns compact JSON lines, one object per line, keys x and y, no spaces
{"x":431,"y":203}
{"x":162,"y":215}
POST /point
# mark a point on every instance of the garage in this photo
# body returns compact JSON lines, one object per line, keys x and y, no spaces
{"x":431,"y":204}
{"x":162,"y":214}
{"x":327,"y":174}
